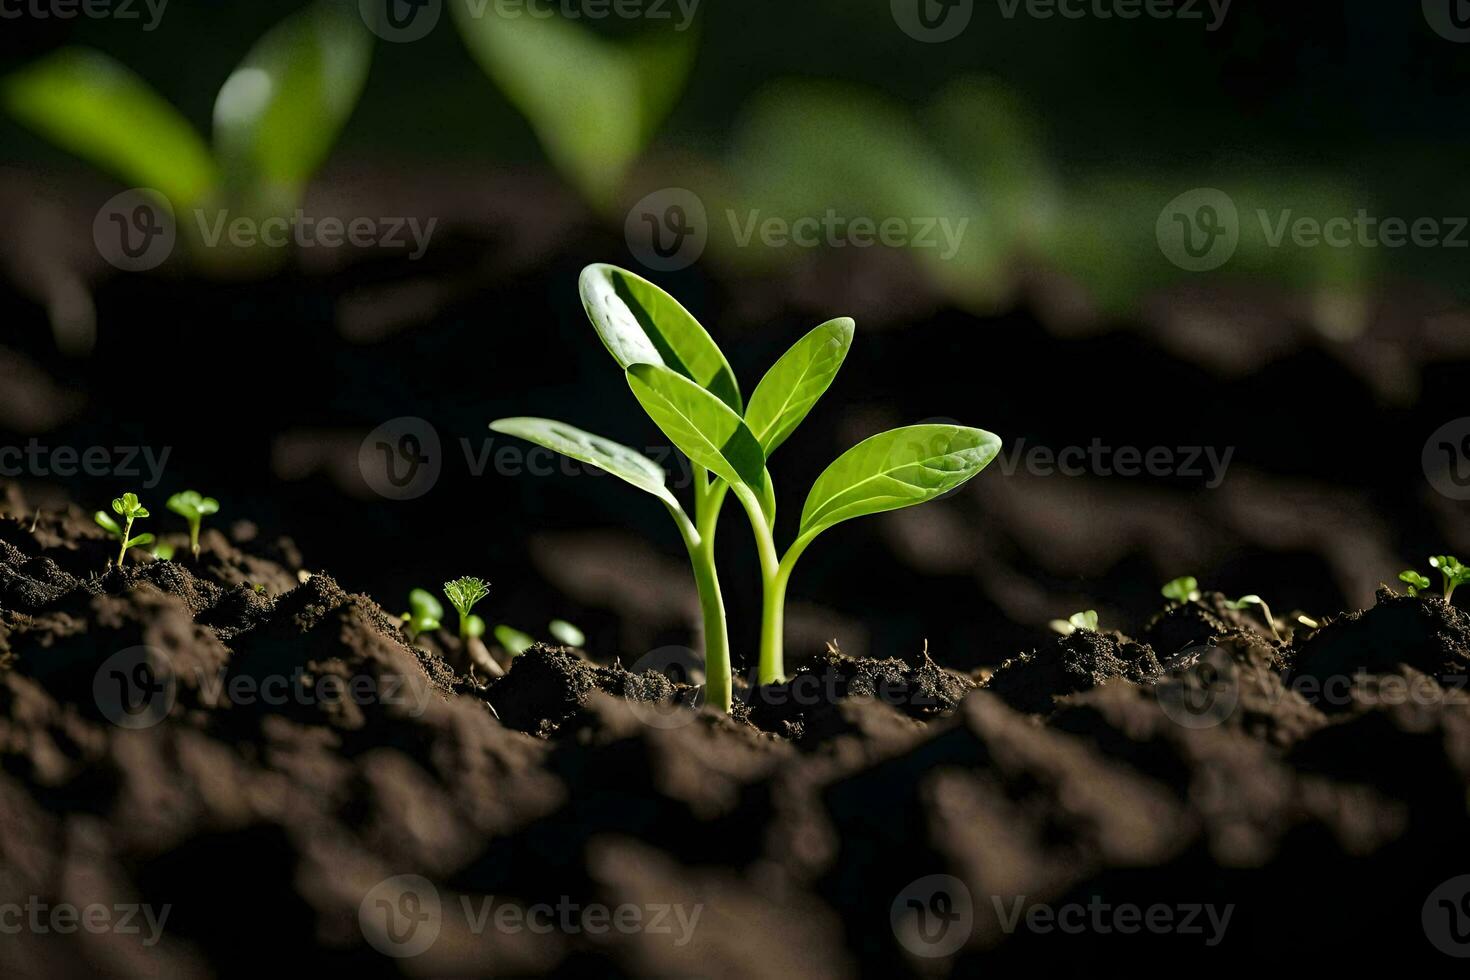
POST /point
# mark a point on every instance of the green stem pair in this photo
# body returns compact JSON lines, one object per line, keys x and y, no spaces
{"x":699,"y":539}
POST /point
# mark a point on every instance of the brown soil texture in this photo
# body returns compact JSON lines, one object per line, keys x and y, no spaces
{"x":295,"y":759}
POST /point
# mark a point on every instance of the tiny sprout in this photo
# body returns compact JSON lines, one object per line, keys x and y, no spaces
{"x":1077,"y":621}
{"x":129,"y":509}
{"x":193,"y":507}
{"x":463,"y":594}
{"x":567,"y":633}
{"x":1416,"y":582}
{"x":513,"y":640}
{"x":1254,"y":600}
{"x":1454,"y":573}
{"x":1185,"y":589}
{"x":424,"y":613}
{"x":163,"y":551}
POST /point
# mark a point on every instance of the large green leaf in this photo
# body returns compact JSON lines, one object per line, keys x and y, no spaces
{"x":704,"y":428}
{"x":593,"y":103}
{"x":280,"y":111}
{"x":896,"y":469}
{"x":642,"y":324}
{"x":794,"y":383}
{"x":615,"y":458}
{"x":94,"y":107}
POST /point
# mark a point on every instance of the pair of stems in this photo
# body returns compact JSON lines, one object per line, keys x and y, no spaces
{"x":699,"y":539}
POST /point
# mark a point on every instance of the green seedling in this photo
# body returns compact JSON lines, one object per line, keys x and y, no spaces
{"x":463,"y":594}
{"x":1417,"y":583}
{"x":513,"y":640}
{"x":1239,"y":605}
{"x":568,"y":634}
{"x":425,"y":614}
{"x":129,"y":509}
{"x":194,"y":508}
{"x":1077,"y":621}
{"x":1454,"y":573}
{"x":163,"y":551}
{"x":1181,"y":590}
{"x":275,"y":119}
{"x":685,"y":384}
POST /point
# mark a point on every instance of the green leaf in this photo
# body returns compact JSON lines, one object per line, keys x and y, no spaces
{"x":642,"y":324}
{"x":626,"y":464}
{"x":513,"y":640}
{"x":140,"y":541}
{"x":1084,"y":620}
{"x":704,"y":428}
{"x":423,"y":604}
{"x":1183,"y":589}
{"x":896,"y":469}
{"x":279,"y":112}
{"x":567,"y":633}
{"x":474,"y":626}
{"x":593,"y":103}
{"x":794,"y":383}
{"x":94,"y":107}
{"x":463,"y":593}
{"x":109,"y":525}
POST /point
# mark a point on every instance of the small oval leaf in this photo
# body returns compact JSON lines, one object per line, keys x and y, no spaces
{"x":642,"y":324}
{"x":704,"y":428}
{"x":794,"y":383}
{"x":619,"y":460}
{"x":896,"y":469}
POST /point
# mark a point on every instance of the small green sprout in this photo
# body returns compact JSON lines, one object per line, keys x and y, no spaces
{"x":1417,"y":583}
{"x":1181,"y":590}
{"x":568,"y":634}
{"x":463,"y":594}
{"x":194,"y":508}
{"x":424,"y":613}
{"x":513,"y":640}
{"x":1077,"y":621}
{"x":1454,"y":573}
{"x":163,"y":551}
{"x":1240,"y":604}
{"x":129,"y":509}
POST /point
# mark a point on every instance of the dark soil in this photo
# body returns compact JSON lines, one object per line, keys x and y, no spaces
{"x":307,"y":755}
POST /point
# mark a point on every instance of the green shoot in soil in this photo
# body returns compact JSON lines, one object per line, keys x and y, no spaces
{"x":1239,"y":605}
{"x":425,"y":613}
{"x":1077,"y":621}
{"x":463,"y":594}
{"x":513,"y":640}
{"x":129,"y":509}
{"x":194,"y":508}
{"x":568,"y":634}
{"x":1185,"y":589}
{"x":1417,"y":583}
{"x":1454,"y":573}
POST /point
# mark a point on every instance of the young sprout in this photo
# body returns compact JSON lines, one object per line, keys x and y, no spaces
{"x":513,"y":640}
{"x":568,"y":634}
{"x":129,"y":509}
{"x":1417,"y":583}
{"x":686,"y":385}
{"x":424,"y":613}
{"x":1454,"y":573}
{"x":194,"y":508}
{"x":163,"y":551}
{"x":1181,"y":590}
{"x":1254,"y":600}
{"x":1077,"y":621}
{"x":463,"y":594}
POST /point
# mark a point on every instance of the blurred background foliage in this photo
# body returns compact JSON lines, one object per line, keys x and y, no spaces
{"x":1014,"y":126}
